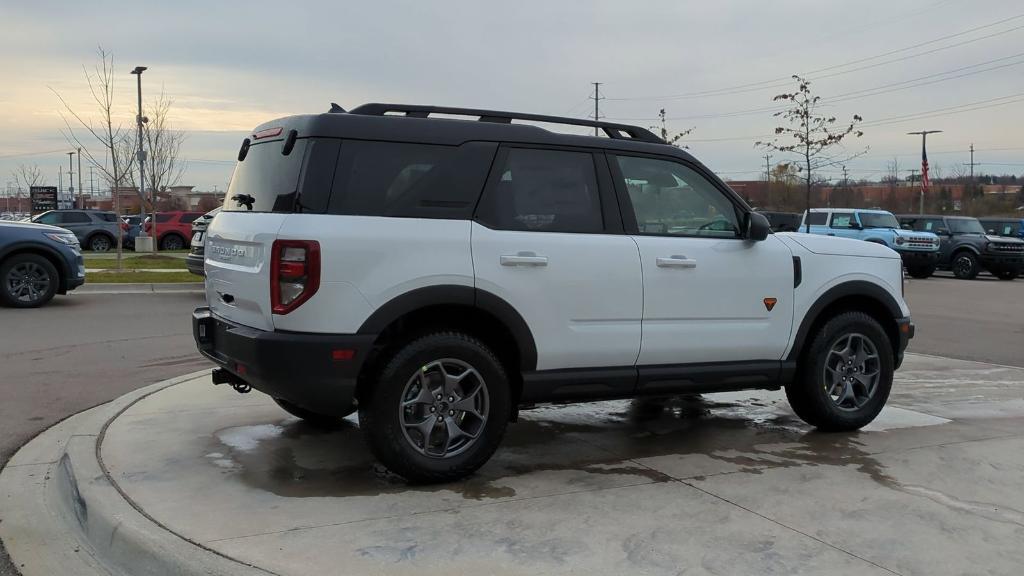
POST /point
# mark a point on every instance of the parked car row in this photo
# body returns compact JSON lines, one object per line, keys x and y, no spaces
{"x":98,"y":230}
{"x":926,"y":242}
{"x":36,"y":262}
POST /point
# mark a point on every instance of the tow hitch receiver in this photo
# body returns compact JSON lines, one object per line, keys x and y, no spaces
{"x":224,"y":376}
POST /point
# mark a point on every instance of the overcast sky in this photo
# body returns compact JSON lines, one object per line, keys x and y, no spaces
{"x":232,"y":65}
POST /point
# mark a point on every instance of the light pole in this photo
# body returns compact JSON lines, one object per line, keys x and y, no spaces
{"x":71,"y":177}
{"x":80,"y":191}
{"x":141,"y":159}
{"x":924,"y":163}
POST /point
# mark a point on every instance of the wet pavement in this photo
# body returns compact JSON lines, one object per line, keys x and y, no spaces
{"x":727,"y":483}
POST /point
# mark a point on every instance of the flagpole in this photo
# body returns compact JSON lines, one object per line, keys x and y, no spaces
{"x":924,"y":164}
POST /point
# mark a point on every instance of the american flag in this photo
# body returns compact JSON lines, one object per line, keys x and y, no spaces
{"x":924,"y":167}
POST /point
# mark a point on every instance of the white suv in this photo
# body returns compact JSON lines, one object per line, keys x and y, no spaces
{"x":438,"y":274}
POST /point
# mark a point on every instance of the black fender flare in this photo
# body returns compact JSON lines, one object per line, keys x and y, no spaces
{"x":449,"y":294}
{"x":964,"y":246}
{"x":832,"y":295}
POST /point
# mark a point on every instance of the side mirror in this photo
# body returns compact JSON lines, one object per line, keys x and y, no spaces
{"x":757,"y":227}
{"x":942,"y":231}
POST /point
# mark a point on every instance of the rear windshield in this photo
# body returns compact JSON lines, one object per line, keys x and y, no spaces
{"x":266,"y":180}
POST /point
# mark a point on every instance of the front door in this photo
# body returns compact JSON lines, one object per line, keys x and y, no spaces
{"x":709,"y":294}
{"x":544,"y":240}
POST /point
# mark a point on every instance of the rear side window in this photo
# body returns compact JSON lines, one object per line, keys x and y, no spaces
{"x":409,"y":180}
{"x":266,"y":180}
{"x":74,"y":218}
{"x":843,"y":220}
{"x":189,"y":217}
{"x":817,"y":218}
{"x":543,"y":191}
{"x":107,"y":216}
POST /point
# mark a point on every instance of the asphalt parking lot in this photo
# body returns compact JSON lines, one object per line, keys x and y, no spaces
{"x":101,"y":346}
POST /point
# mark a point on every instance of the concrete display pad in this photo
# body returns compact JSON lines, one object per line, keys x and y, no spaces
{"x":724,"y":484}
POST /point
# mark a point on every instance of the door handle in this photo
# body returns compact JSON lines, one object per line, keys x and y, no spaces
{"x":676,"y":261}
{"x":831,"y":234}
{"x":523,"y":259}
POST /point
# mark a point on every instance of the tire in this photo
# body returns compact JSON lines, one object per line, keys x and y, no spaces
{"x":1007,"y":273}
{"x":845,"y":406}
{"x":313,"y":418}
{"x":100,"y":243}
{"x":172,"y":242}
{"x":921,"y":271}
{"x":402,"y":402}
{"x":964,"y":265}
{"x":27,"y":281}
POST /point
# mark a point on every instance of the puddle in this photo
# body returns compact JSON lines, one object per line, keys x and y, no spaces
{"x":750,"y":431}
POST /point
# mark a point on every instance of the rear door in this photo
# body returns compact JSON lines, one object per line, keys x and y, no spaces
{"x":77,"y":222}
{"x":262,"y":193}
{"x":547,"y":239}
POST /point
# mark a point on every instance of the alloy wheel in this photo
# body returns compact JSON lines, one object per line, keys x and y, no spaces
{"x":963,"y":266}
{"x":852,"y":371}
{"x":444,"y":408}
{"x":27,"y":282}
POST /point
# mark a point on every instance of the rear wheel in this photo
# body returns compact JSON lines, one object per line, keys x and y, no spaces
{"x":965,"y":265}
{"x":1008,"y":273}
{"x":439,"y":408}
{"x":314,"y":418}
{"x":172,"y":242}
{"x":29,"y":280}
{"x":100,"y":243}
{"x":921,"y":271}
{"x":845,"y":375}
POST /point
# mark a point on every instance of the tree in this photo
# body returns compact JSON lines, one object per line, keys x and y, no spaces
{"x":672,"y":139}
{"x":28,"y":175}
{"x":809,"y":137}
{"x":164,"y":167}
{"x":106,"y":131}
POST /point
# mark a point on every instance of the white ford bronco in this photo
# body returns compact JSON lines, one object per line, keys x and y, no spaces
{"x":437,"y":274}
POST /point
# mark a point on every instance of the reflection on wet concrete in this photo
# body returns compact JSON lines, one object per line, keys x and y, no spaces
{"x":291,"y":458}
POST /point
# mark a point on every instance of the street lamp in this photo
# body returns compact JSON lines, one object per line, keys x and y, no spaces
{"x":924,"y":164}
{"x":141,"y":158}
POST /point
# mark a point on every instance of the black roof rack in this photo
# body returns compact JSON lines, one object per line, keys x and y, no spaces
{"x":613,"y":130}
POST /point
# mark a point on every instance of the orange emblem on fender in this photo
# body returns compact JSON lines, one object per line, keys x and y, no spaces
{"x":769,"y":303}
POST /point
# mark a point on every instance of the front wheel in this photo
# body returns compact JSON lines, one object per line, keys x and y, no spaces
{"x":965,"y":265}
{"x":845,"y":375}
{"x":439,"y":408}
{"x":172,"y":242}
{"x":29,"y":280}
{"x":1008,"y":273}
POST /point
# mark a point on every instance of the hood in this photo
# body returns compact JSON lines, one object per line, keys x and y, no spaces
{"x":1006,"y":239}
{"x":835,"y":246}
{"x":30,"y":225}
{"x":901,"y":233}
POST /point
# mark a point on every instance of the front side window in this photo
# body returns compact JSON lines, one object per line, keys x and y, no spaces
{"x":48,"y":218}
{"x":189,"y":217}
{"x":671,"y":198}
{"x":163,"y":217}
{"x":843,"y":220}
{"x":965,"y":226}
{"x":74,"y":218}
{"x":543,"y":191}
{"x":876,"y":220}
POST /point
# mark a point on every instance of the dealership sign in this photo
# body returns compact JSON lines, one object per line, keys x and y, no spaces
{"x":43,"y":198}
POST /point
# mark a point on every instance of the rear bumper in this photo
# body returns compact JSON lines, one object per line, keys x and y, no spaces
{"x":906,"y":329}
{"x":313,"y":371}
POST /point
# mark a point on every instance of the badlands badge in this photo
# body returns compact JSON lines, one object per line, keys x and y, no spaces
{"x":769,"y":303}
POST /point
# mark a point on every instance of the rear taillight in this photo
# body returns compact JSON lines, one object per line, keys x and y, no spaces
{"x":294,"y":273}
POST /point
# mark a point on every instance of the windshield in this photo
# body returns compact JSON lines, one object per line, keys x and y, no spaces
{"x":965,"y":226}
{"x":872,"y":220}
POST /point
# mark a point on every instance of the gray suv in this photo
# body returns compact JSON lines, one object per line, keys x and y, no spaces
{"x":966,"y":247}
{"x":96,"y":230}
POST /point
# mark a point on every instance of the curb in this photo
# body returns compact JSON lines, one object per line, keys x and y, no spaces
{"x":63,"y":514}
{"x":132,"y":288}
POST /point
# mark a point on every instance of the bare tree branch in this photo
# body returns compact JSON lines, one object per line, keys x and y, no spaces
{"x":672,"y":139}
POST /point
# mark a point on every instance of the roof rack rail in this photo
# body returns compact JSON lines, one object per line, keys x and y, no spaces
{"x":613,"y":130}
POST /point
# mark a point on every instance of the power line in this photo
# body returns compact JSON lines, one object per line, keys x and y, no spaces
{"x":783,"y":81}
{"x":968,"y":107}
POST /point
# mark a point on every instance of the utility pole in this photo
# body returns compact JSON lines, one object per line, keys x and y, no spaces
{"x":71,"y":177}
{"x":597,"y":99}
{"x":924,"y":163}
{"x":768,"y":169}
{"x":92,"y":184}
{"x":972,"y":165}
{"x":81,"y":193}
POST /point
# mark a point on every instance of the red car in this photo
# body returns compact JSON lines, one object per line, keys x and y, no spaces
{"x":173,"y":228}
